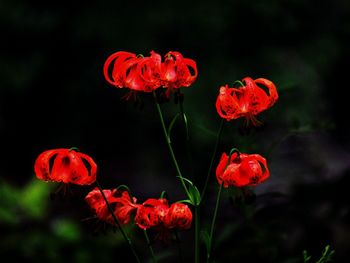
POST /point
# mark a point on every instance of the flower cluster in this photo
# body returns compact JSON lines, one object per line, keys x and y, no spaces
{"x":152,"y":213}
{"x":68,"y":167}
{"x":138,"y":73}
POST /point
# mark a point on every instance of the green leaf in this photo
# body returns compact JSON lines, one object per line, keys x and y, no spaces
{"x":326,"y":255}
{"x":193,"y":192}
{"x":185,"y":201}
{"x":306,"y":257}
{"x":67,"y":230}
{"x":33,"y":198}
{"x":195,"y":196}
{"x":186,"y":125}
{"x":187,"y":180}
{"x":206,"y":239}
{"x":172,"y":125}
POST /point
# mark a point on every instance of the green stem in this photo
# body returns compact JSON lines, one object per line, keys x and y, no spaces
{"x":213,"y":222}
{"x":217,"y":206}
{"x":187,"y":143}
{"x":154,"y":259}
{"x":178,"y":241}
{"x":169,"y":145}
{"x":197,"y":229}
{"x":117,"y":222}
{"x":213,"y":157}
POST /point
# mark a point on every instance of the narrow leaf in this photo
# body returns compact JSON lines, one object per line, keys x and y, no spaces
{"x":172,"y":125}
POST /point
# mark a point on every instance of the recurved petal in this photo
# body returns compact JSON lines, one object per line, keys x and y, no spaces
{"x":111,"y":68}
{"x":220,"y":169}
{"x":264,"y":168}
{"x":190,"y":72}
{"x":42,"y":164}
{"x":91,"y":167}
{"x":273,"y":95}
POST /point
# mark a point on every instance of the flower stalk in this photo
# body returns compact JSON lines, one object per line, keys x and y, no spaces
{"x":218,"y":136}
{"x":128,"y":240}
{"x":154,"y":259}
{"x":170,"y":146}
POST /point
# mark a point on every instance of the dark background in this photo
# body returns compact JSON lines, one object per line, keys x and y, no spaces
{"x":53,"y":95}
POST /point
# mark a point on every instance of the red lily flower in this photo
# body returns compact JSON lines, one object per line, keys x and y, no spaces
{"x":138,"y":73}
{"x":179,"y":216}
{"x":96,"y":201}
{"x":120,"y":202}
{"x":246,"y":101}
{"x":124,"y":207}
{"x":242,"y":170}
{"x":116,"y":77}
{"x":177,"y":71}
{"x":149,"y":69}
{"x":68,"y":166}
{"x":151,"y":213}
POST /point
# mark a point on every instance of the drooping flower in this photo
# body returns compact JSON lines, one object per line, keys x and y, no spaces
{"x":138,"y":73}
{"x":151,"y":213}
{"x":120,"y":202}
{"x":97,"y":203}
{"x":177,"y":71}
{"x":66,"y":166}
{"x":247,"y":101}
{"x":124,"y":206}
{"x":242,"y":170}
{"x":125,"y":71}
{"x":116,"y":62}
{"x":179,"y":216}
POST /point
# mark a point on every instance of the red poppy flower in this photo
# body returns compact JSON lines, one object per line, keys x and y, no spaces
{"x":246,"y":101}
{"x":179,"y":216}
{"x":120,"y":202}
{"x":66,"y":166}
{"x":151,"y":213}
{"x":242,"y":170}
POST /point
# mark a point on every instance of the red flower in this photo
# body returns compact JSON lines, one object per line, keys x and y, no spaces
{"x":124,"y":207}
{"x":149,"y":68}
{"x":242,"y":170}
{"x":66,"y":166}
{"x":177,"y":71}
{"x":138,"y":73}
{"x":96,"y":201}
{"x":246,"y":101}
{"x":179,"y":216}
{"x":151,"y":213}
{"x":120,"y":202}
{"x":116,"y":76}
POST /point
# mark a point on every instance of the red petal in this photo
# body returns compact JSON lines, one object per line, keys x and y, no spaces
{"x":221,"y":167}
{"x":273,"y":95}
{"x":91,"y":178}
{"x":42,"y":164}
{"x":118,"y":58}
